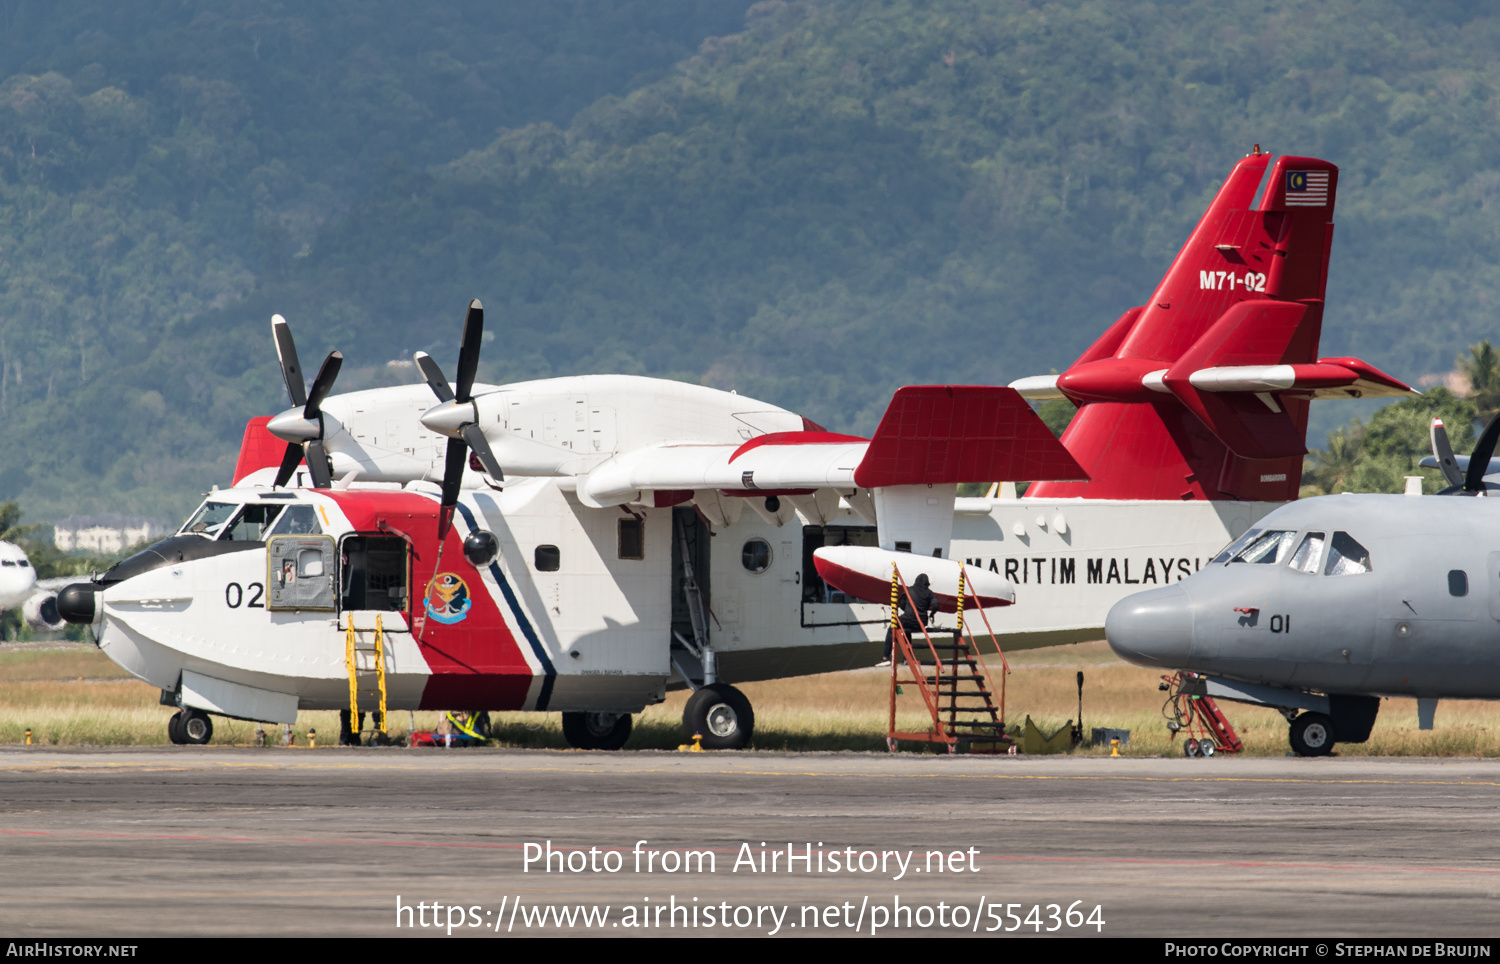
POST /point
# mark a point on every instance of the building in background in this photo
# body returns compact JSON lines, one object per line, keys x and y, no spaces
{"x":106,"y":534}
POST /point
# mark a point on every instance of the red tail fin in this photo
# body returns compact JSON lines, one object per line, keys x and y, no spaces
{"x":1245,"y":290}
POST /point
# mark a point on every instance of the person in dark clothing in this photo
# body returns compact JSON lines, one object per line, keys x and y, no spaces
{"x":917,"y":606}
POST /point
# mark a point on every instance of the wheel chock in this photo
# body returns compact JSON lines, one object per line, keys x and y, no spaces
{"x":695,"y":747}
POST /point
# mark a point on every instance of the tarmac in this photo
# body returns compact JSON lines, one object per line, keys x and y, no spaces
{"x":234,"y":841}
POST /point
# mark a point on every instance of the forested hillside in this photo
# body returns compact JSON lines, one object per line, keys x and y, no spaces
{"x":813,"y":202}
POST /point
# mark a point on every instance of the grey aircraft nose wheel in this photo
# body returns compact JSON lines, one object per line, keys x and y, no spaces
{"x":196,"y":727}
{"x":1312,"y":735}
{"x":722,"y":715}
{"x":174,"y":729}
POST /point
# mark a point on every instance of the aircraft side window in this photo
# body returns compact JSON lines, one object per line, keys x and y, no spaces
{"x":1309,"y":555}
{"x":1347,"y":557}
{"x":1268,"y":548}
{"x":297,"y":520}
{"x":309,"y":563}
{"x":547,"y":558}
{"x":632,"y":539}
{"x":1235,"y":546}
{"x":1458,"y":582}
{"x":756,"y":556}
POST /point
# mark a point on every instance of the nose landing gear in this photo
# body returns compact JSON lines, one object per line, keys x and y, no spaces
{"x":190,"y":727}
{"x":1312,"y":735}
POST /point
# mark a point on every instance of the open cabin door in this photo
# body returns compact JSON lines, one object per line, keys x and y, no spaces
{"x":375,"y":579}
{"x":301,"y":573}
{"x":690,"y":593}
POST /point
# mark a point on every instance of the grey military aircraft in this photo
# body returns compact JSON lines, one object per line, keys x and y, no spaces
{"x":1331,"y":603}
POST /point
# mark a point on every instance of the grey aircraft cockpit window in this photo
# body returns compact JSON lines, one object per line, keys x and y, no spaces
{"x":210,"y":518}
{"x":297,"y":520}
{"x":1235,"y":547}
{"x":251,"y":524}
{"x":1309,"y":555}
{"x":1347,"y":557}
{"x":1269,"y":548}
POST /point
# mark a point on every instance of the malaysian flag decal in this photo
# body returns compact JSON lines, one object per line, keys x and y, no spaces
{"x":1306,"y":189}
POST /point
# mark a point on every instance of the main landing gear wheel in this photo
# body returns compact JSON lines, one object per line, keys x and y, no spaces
{"x":1312,"y":735}
{"x":596,"y":731}
{"x":196,"y":727}
{"x":722,"y":715}
{"x":174,"y":729}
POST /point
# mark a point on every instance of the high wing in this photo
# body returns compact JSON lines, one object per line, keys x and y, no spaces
{"x":930,"y":435}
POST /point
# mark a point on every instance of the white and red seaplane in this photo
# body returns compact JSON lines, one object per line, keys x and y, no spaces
{"x":609,"y":558}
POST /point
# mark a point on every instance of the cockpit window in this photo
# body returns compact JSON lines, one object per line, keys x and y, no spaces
{"x":1268,"y":548}
{"x":210,"y":518}
{"x":1347,"y":556}
{"x":297,"y":520}
{"x":251,"y":525}
{"x":1309,"y":555}
{"x":1236,"y":546}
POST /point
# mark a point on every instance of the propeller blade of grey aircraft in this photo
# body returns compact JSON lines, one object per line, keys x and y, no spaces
{"x":1442,"y":450}
{"x":474,"y":436}
{"x":286,"y":352}
{"x":434,"y":376}
{"x":1479,"y":459}
{"x":468,"y":351}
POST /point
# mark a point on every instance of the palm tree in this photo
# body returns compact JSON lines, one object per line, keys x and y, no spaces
{"x":1482,"y":369}
{"x":1333,"y":466}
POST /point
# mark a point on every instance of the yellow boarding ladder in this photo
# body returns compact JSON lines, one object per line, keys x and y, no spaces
{"x":370,"y":645}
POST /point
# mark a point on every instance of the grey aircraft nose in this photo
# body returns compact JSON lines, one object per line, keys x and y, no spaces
{"x":1152,"y":628}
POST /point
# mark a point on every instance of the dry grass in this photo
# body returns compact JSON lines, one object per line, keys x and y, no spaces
{"x":73,"y":695}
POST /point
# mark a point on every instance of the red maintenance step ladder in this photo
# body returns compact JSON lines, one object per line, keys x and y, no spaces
{"x":1189,"y":708}
{"x":959,"y":692}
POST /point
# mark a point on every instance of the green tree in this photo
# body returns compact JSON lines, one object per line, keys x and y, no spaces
{"x":1057,"y":413}
{"x":1482,"y":369}
{"x":1331,"y":469}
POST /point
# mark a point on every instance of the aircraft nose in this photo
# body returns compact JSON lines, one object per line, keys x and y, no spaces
{"x":1152,"y":628}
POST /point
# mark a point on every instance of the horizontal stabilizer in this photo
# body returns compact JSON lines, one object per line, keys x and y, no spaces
{"x":1038,"y":388}
{"x":864,"y":572}
{"x":937,"y":434}
{"x":1252,"y":334}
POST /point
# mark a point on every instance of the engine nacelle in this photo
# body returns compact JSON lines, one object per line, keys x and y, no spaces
{"x":40,"y":612}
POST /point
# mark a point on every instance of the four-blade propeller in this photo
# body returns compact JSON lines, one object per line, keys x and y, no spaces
{"x":302,"y":432}
{"x":456,"y":415}
{"x":1461,"y":480}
